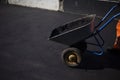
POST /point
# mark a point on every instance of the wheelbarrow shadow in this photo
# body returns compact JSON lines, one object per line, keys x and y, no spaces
{"x":95,"y":62}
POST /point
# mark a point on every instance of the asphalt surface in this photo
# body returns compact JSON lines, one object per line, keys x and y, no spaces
{"x":27,"y":54}
{"x":88,"y":7}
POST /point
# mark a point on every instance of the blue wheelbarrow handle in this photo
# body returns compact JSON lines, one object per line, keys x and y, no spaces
{"x":104,"y":25}
{"x":106,"y":15}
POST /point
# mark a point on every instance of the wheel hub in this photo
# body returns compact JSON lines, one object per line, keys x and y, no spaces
{"x":72,"y":58}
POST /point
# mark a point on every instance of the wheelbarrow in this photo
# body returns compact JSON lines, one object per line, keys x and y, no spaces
{"x":75,"y":33}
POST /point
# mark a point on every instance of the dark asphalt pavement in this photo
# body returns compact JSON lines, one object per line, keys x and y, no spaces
{"x":26,"y":54}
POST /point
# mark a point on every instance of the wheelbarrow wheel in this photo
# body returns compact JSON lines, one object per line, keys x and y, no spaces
{"x":71,"y":57}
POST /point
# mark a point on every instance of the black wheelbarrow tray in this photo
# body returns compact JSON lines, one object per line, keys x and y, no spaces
{"x":75,"y":33}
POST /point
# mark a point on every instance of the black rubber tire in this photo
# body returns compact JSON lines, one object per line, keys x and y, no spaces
{"x":72,"y":57}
